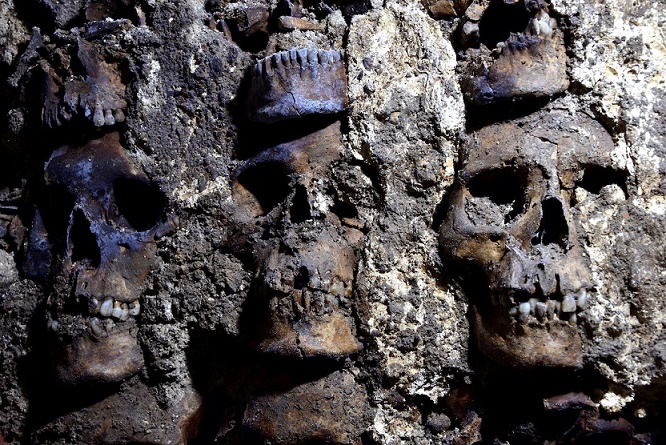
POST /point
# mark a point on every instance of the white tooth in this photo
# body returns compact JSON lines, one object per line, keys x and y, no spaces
{"x":524,"y":308}
{"x":117,"y":310}
{"x":108,"y":118}
{"x":125,"y":312}
{"x":533,"y":302}
{"x":573,"y":319}
{"x":108,"y":324}
{"x":551,"y":308}
{"x":96,"y":327}
{"x":107,"y":307}
{"x":93,"y":305}
{"x":134,"y":308}
{"x":513,"y":311}
{"x":541,"y":310}
{"x":569,"y":303}
{"x":98,"y":117}
{"x":581,"y":301}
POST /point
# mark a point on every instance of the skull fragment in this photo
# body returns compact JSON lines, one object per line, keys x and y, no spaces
{"x":301,"y":244}
{"x":511,"y":226}
{"x":511,"y":50}
{"x":101,"y":229}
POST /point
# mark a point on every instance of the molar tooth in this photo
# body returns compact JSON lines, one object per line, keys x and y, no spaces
{"x":569,"y":303}
{"x":108,"y":324}
{"x":513,"y":311}
{"x":96,"y":327}
{"x":303,"y":56}
{"x":117,"y":310}
{"x":533,"y":302}
{"x":551,"y":308}
{"x":119,"y":116}
{"x":108,"y":118}
{"x":98,"y":117}
{"x":93,"y":305}
{"x":134,"y":308}
{"x":524,"y":308}
{"x":107,"y":307}
{"x":312,"y":56}
{"x":541,"y":310}
{"x":581,"y":300}
{"x":125,"y":312}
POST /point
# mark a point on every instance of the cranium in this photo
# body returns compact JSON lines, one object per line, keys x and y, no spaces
{"x":512,"y":221}
{"x":302,"y":251}
{"x":101,"y":229}
{"x":511,"y":49}
{"x":305,"y":271}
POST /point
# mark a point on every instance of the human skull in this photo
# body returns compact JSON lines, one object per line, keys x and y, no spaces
{"x":512,"y":222}
{"x":304,"y":257}
{"x":511,"y":50}
{"x":101,"y":228}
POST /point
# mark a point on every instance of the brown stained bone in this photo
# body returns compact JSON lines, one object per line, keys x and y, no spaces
{"x":308,"y":294}
{"x":297,"y":83}
{"x":512,"y":221}
{"x":330,"y":410}
{"x":304,"y":280}
{"x":97,"y":93}
{"x":531,"y":63}
{"x":101,"y":228}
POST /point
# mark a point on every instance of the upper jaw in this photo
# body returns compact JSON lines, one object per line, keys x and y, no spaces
{"x":525,"y":307}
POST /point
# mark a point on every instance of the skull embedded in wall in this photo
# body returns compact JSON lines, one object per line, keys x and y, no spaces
{"x":101,"y":225}
{"x":512,"y":225}
{"x":301,"y":243}
{"x":510,"y":50}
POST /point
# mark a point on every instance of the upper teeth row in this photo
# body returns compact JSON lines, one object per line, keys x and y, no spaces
{"x":112,"y":308}
{"x":550,"y":309}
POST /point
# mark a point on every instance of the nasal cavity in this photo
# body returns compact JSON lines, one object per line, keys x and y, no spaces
{"x":83,"y":243}
{"x":300,"y":207}
{"x":302,"y":278}
{"x":553,"y":228}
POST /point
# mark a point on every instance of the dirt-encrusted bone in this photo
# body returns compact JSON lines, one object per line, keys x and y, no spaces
{"x":297,"y":83}
{"x":87,"y":84}
{"x":100,"y":225}
{"x":332,"y":410}
{"x":511,"y":225}
{"x":304,"y":279}
{"x":529,"y":63}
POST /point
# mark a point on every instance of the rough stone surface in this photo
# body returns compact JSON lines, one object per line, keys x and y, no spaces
{"x":183,"y":69}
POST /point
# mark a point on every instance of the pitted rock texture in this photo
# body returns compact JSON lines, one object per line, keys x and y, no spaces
{"x":415,"y":374}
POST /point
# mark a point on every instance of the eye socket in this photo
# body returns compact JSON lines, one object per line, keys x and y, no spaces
{"x":500,"y":20}
{"x":268,"y":182}
{"x":504,"y":187}
{"x":140,"y":203}
{"x":596,"y":177}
